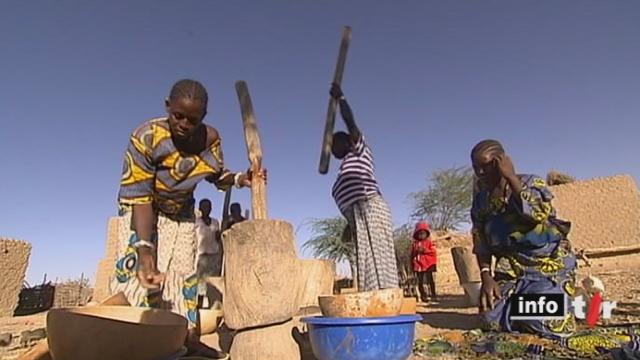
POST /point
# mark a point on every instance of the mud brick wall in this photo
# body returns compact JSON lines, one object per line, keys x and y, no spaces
{"x":70,"y":295}
{"x":106,"y":265}
{"x":446,"y":277}
{"x":604,"y":212}
{"x":14,"y":258}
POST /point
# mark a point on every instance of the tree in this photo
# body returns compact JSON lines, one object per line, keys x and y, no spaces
{"x":445,"y":203}
{"x":402,"y":237}
{"x":558,"y":178}
{"x":331,"y":240}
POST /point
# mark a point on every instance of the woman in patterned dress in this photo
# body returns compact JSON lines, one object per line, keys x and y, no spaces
{"x":166,"y":158}
{"x":515,"y":223}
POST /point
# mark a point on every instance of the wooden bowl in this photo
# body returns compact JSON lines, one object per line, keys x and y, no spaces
{"x":376,"y":303}
{"x":210,"y":320}
{"x":409,"y":305}
{"x":114,"y":332}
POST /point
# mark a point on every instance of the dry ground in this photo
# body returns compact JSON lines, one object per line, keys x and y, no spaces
{"x":450,"y":316}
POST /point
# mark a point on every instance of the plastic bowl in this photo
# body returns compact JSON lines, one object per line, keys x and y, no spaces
{"x":389,"y":338}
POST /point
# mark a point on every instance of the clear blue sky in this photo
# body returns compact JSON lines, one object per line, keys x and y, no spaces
{"x":556,"y":81}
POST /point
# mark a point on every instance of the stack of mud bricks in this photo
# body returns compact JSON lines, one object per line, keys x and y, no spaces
{"x":14,"y":258}
{"x":106,"y":266}
{"x":604,"y":212}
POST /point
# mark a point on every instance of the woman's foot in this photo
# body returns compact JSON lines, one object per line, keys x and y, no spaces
{"x":200,"y":349}
{"x":196,"y":348}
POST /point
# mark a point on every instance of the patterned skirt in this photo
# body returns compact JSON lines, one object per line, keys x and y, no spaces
{"x":208,"y":265}
{"x":554,"y":274}
{"x":372,"y":229}
{"x":176,"y":252}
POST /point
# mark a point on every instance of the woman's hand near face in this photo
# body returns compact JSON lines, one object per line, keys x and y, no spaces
{"x":504,"y":164}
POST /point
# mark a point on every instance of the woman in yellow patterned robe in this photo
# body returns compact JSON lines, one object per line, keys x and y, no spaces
{"x":165,"y":159}
{"x":515,"y":223}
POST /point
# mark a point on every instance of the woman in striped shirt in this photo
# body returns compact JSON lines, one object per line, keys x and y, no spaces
{"x":359,"y":199}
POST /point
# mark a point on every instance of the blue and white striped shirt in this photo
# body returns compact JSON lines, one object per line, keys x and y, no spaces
{"x":356,"y":180}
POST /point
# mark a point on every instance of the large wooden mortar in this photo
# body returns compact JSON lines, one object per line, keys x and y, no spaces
{"x":262,"y":274}
{"x":272,"y":342}
{"x":317,"y":280}
{"x":262,"y":270}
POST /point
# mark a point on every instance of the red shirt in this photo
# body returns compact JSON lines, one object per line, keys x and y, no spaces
{"x":423,"y":260}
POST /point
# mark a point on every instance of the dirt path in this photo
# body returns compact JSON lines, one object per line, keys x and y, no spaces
{"x":15,"y":326}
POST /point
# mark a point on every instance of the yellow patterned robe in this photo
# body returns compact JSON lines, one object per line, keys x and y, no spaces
{"x":156,"y":172}
{"x":531,"y":250}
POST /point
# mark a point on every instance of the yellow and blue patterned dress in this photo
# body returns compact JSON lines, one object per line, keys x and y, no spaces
{"x":531,"y":249}
{"x":156,"y":172}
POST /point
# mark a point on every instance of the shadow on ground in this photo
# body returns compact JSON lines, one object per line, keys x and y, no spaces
{"x":450,"y":302}
{"x":450,"y":320}
{"x":450,"y":312}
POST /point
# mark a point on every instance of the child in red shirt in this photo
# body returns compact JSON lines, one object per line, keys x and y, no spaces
{"x":423,"y":259}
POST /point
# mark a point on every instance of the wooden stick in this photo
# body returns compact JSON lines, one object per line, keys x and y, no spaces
{"x":224,"y":224}
{"x":327,"y":139}
{"x":464,"y":264}
{"x":584,"y":258}
{"x":443,"y":237}
{"x":254,"y":150}
{"x":613,"y":251}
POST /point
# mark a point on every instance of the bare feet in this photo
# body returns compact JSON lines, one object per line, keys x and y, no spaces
{"x":200,"y":349}
{"x":196,"y":348}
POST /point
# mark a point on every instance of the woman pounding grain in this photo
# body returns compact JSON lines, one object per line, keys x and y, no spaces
{"x":166,"y":158}
{"x":515,"y":223}
{"x":358,"y":196}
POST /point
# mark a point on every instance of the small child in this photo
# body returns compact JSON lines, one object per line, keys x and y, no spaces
{"x":423,"y":259}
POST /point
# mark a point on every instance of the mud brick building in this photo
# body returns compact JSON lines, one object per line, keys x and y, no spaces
{"x":14,"y":258}
{"x":604,"y":212}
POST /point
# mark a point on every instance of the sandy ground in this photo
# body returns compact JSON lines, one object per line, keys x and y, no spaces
{"x":15,"y":326}
{"x":450,"y":316}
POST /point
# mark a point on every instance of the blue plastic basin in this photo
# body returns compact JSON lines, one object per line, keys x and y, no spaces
{"x":380,"y":338}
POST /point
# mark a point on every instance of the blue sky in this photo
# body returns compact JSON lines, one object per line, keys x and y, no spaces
{"x":556,"y":81}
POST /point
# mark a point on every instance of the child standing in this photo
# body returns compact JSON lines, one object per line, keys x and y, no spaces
{"x":423,"y":256}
